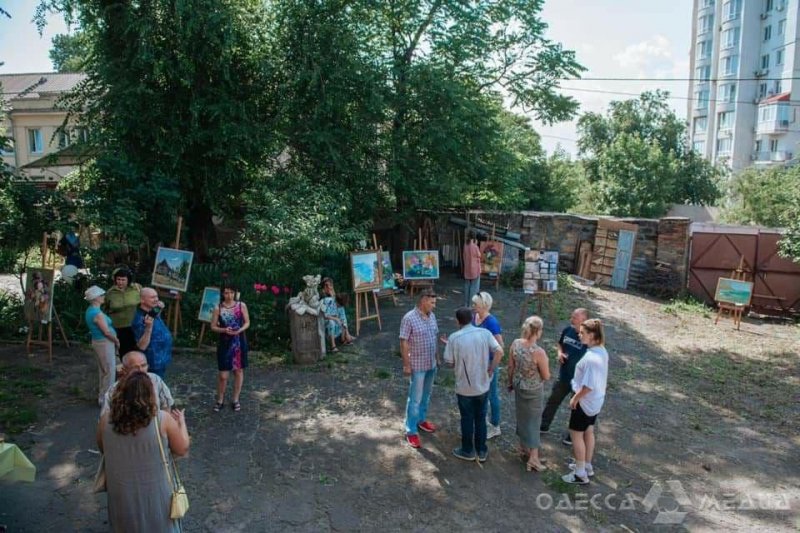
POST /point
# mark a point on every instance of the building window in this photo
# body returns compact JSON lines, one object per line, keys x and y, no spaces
{"x":726,"y":92}
{"x":35,"y":141}
{"x":699,"y":146}
{"x":704,"y":50}
{"x":723,"y":146}
{"x":731,"y":9}
{"x":725,"y":120}
{"x":708,"y":3}
{"x":762,"y":90}
{"x":778,"y":87}
{"x":779,"y":57}
{"x":765,"y":61}
{"x":782,"y":27}
{"x":730,"y":38}
{"x":706,"y":23}
{"x":700,"y":125}
{"x":729,"y":65}
{"x":773,"y":145}
{"x":63,"y":139}
{"x":703,"y":73}
{"x":701,"y":98}
{"x":759,"y":145}
{"x":768,"y":4}
{"x":767,"y":113}
{"x":768,"y":33}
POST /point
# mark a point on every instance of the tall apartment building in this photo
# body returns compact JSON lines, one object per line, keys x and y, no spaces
{"x":744,"y":103}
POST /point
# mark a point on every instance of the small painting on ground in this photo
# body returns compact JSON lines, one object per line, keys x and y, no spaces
{"x":387,"y":271}
{"x":172,"y":269}
{"x":39,"y":294}
{"x":734,"y":291}
{"x":421,"y":264}
{"x":366,"y":270}
{"x":209,"y":302}
{"x":491,"y":257}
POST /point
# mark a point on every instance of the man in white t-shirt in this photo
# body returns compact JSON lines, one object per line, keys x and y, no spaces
{"x":589,"y":386}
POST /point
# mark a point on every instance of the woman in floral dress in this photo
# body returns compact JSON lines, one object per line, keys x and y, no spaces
{"x":230,"y":319}
{"x":335,"y":317}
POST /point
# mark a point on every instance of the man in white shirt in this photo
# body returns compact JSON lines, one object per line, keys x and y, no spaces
{"x":466,"y":352}
{"x":137,"y":362}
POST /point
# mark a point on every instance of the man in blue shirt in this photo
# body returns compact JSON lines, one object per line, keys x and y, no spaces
{"x":151,"y":333}
{"x":570,"y":351}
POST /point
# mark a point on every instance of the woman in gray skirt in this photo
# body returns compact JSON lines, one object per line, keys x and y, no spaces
{"x":527,"y":369}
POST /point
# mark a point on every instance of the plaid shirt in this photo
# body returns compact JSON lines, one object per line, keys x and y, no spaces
{"x":421,"y":332}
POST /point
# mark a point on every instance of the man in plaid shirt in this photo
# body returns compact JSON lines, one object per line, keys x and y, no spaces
{"x":418,"y":338}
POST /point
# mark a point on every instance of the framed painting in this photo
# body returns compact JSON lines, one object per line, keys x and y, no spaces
{"x":387,"y":272}
{"x":491,"y":257}
{"x":734,"y":292}
{"x":172,"y":269}
{"x":39,"y":294}
{"x":208,"y":303}
{"x":366,"y":269}
{"x":421,"y":264}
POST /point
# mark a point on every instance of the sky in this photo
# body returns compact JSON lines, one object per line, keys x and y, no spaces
{"x":612,"y":39}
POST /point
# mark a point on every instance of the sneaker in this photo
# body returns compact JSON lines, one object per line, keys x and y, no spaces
{"x":483,"y":455}
{"x":458,"y":452}
{"x":413,"y":441}
{"x":575,"y":480}
{"x":427,"y":427}
{"x":492,"y":431}
{"x":589,"y":469}
{"x":567,"y":441}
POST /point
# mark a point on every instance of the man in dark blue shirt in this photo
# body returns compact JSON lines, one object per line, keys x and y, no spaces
{"x":151,"y":333}
{"x":570,"y":351}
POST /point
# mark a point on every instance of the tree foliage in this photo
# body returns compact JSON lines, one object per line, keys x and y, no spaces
{"x":637,"y":160}
{"x":70,"y":51}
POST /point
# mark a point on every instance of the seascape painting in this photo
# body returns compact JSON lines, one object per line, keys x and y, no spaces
{"x":421,"y":264}
{"x":387,"y":272}
{"x":366,"y":270}
{"x":734,"y":291}
{"x":172,"y":269}
{"x":208,"y":303}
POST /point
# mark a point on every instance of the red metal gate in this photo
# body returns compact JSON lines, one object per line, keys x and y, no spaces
{"x":717,"y":250}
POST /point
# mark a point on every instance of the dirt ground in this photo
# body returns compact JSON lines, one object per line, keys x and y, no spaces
{"x":699,"y":419}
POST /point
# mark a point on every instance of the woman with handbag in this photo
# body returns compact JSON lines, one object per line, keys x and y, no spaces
{"x":133,"y":436}
{"x":230,"y":319}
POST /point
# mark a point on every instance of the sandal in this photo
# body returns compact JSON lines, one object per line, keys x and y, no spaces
{"x":236,"y":406}
{"x":334,"y":350}
{"x":535,"y":467}
{"x":218,"y":407}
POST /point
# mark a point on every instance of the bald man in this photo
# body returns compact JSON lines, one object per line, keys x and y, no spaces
{"x":151,"y":333}
{"x":136,"y":361}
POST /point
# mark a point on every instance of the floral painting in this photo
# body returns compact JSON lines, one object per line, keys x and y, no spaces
{"x":39,"y":295}
{"x":491,"y":257}
{"x":366,"y":270}
{"x":421,"y":264}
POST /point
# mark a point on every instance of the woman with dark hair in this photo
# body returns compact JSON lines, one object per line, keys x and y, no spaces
{"x":122,"y":299}
{"x":139,"y":489}
{"x":335,"y":317}
{"x":230,"y":319}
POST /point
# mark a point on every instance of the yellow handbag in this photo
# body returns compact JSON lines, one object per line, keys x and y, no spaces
{"x":180,"y":501}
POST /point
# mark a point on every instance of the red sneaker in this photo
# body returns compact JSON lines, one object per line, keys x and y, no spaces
{"x":427,"y":427}
{"x":413,"y":441}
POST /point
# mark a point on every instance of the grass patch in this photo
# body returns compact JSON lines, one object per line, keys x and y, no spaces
{"x":445,"y":379}
{"x":687,"y":305}
{"x":20,"y":387}
{"x":382,"y":373}
{"x":553,"y":481}
{"x":277,"y":399}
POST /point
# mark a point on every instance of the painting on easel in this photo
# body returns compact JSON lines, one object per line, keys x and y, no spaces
{"x":491,"y":257}
{"x":208,"y":303}
{"x":387,"y":271}
{"x":366,"y":270}
{"x":734,"y":292}
{"x":172,"y":269}
{"x":39,"y":295}
{"x":421,"y":264}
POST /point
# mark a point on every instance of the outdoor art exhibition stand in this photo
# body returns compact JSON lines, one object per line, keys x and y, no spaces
{"x":734,"y":309}
{"x":40,"y":339}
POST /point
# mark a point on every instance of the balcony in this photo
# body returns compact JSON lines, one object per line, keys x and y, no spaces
{"x":771,"y":157}
{"x":772,"y":127}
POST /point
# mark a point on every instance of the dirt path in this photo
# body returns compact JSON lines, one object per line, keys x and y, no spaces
{"x":320,"y":448}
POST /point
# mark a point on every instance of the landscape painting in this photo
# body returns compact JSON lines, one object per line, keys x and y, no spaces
{"x":421,"y":264}
{"x":387,"y":271}
{"x":366,"y":270}
{"x":208,"y":303}
{"x":172,"y":269}
{"x":734,"y":291}
{"x":39,"y":295}
{"x":491,"y":257}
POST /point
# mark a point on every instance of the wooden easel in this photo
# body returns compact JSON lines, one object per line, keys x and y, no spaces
{"x":363,"y":312}
{"x":382,"y":293}
{"x":40,"y":341}
{"x":733,"y":310}
{"x":173,"y":319}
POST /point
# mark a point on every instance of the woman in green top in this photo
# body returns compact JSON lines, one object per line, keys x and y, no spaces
{"x":121,"y":302}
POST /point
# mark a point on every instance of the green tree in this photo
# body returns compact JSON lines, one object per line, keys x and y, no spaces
{"x":763,"y":196}
{"x":69,"y":52}
{"x":637,"y":160}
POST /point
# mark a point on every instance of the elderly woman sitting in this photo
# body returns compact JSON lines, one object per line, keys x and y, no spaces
{"x":335,"y":317}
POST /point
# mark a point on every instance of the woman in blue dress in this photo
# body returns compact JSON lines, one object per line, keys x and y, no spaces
{"x":230,"y":319}
{"x":335,"y":317}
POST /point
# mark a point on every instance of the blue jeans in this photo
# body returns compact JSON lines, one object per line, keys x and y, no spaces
{"x":419,"y":395}
{"x":473,"y":423}
{"x":494,"y":399}
{"x":471,"y":288}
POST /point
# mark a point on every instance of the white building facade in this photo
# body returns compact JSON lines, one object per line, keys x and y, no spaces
{"x":744,"y":104}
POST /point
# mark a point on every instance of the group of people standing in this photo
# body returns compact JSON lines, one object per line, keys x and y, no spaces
{"x":475,"y":352}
